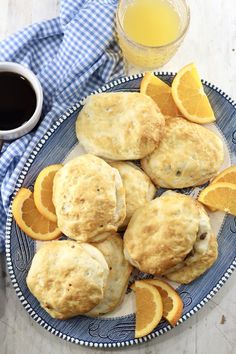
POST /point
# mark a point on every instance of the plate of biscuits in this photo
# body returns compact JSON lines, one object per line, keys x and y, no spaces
{"x":122,"y":224}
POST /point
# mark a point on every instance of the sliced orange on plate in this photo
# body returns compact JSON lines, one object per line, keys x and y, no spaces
{"x":160,"y":92}
{"x":29,"y":219}
{"x":220,"y":196}
{"x":43,"y":192}
{"x":189,"y":96}
{"x":172,"y":302}
{"x":149,"y":308}
{"x":228,"y":175}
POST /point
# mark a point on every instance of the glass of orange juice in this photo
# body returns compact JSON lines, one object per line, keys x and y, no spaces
{"x":150,"y":31}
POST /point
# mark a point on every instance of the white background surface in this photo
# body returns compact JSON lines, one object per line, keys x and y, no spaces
{"x":211,"y":44}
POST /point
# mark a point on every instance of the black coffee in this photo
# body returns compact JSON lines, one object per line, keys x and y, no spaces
{"x":17,"y":100}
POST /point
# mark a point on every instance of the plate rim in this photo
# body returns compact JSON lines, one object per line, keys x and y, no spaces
{"x":22,"y":175}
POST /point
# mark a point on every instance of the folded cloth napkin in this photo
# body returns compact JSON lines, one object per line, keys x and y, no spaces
{"x":71,"y":55}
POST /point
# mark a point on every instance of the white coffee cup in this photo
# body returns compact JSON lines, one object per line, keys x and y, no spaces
{"x":33,"y":120}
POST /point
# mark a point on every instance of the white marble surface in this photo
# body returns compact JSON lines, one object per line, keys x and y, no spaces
{"x":211,"y":44}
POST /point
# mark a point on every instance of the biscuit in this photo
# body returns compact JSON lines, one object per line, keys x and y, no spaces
{"x":139,"y":189}
{"x":191,"y":271}
{"x":188,"y":155}
{"x":67,"y":278}
{"x":201,"y":257}
{"x":162,"y":233}
{"x":89,"y":198}
{"x":120,"y":126}
{"x":119,"y":272}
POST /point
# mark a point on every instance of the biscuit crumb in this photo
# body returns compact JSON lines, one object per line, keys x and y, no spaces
{"x":223,"y":320}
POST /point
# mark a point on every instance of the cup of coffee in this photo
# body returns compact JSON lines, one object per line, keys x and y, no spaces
{"x":21,"y":100}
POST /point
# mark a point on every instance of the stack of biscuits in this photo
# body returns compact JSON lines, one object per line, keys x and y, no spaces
{"x":103,"y":194}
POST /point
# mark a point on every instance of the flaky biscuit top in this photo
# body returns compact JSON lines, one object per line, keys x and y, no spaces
{"x":120,"y":126}
{"x":89,"y":198}
{"x":188,"y":155}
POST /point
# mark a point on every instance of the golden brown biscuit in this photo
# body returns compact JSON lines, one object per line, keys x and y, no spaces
{"x":191,"y":271}
{"x":119,"y":272}
{"x":120,"y":126}
{"x":68,"y":278}
{"x":162,"y":233}
{"x":138,"y":187}
{"x":202,"y":256}
{"x":188,"y":155}
{"x":89,"y":198}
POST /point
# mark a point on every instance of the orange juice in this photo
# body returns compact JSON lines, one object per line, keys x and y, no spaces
{"x":151,"y":22}
{"x":150,"y":31}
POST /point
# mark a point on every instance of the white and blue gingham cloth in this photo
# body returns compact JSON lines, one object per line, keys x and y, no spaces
{"x":71,"y":55}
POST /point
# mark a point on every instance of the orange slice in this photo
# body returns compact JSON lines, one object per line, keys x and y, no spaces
{"x":149,"y":308}
{"x":220,"y":196}
{"x":43,"y":192}
{"x":228,"y":175}
{"x":30,"y":220}
{"x":189,"y":96}
{"x":160,"y":92}
{"x":172,"y":302}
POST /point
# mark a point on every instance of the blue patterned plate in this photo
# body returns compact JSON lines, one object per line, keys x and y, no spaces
{"x":117,"y":330}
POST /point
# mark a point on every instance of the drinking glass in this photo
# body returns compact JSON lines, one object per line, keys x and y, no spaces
{"x":150,"y":57}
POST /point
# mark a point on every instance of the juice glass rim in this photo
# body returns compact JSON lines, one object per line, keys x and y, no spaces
{"x":142,"y":46}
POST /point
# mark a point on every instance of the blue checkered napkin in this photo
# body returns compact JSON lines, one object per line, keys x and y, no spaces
{"x":72,"y":55}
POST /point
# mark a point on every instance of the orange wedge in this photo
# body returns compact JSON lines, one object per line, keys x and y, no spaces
{"x":43,"y":192}
{"x":30,"y":220}
{"x":228,"y":175}
{"x":172,"y":302}
{"x":160,"y":92}
{"x":220,"y":196}
{"x":149,"y":308}
{"x":189,"y":96}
